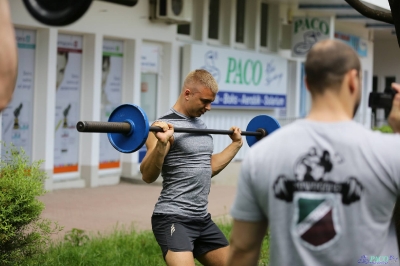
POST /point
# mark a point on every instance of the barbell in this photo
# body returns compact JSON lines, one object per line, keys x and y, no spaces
{"x":128,"y":127}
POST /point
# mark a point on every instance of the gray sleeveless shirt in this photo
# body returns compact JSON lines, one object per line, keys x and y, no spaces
{"x":186,"y":170}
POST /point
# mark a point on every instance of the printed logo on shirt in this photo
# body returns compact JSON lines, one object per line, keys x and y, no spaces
{"x":172,"y":229}
{"x":364,"y":259}
{"x":315,"y":220}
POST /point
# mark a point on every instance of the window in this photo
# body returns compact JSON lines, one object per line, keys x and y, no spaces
{"x":184,"y":29}
{"x":213,"y":19}
{"x":240,"y":20}
{"x":148,"y":96}
{"x":264,"y":25}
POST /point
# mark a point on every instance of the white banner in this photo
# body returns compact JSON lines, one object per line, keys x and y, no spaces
{"x":111,"y":97}
{"x":245,"y":79}
{"x":68,"y":89}
{"x":17,"y":117}
{"x":306,"y":31}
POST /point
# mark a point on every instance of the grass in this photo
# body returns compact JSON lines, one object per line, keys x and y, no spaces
{"x":122,"y":247}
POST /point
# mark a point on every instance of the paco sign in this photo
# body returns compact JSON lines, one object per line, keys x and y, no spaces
{"x":306,"y":31}
{"x":245,"y":79}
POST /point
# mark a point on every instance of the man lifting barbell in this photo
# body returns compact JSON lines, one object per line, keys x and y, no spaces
{"x":180,"y":222}
{"x":325,"y":186}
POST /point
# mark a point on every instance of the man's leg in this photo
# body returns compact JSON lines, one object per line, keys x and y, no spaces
{"x":211,"y":247}
{"x":217,"y":257}
{"x":175,"y":239}
{"x":179,"y":258}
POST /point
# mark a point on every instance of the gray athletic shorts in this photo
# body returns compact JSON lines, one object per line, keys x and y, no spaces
{"x":180,"y":233}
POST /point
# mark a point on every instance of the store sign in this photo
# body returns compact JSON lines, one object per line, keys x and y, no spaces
{"x":306,"y":31}
{"x":358,"y":44}
{"x":245,"y":79}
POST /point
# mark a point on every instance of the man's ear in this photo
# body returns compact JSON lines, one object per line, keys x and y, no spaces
{"x":353,"y":80}
{"x":306,"y":83}
{"x":186,"y":92}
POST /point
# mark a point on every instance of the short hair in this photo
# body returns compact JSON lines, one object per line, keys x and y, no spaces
{"x":203,"y":77}
{"x":326,"y":64}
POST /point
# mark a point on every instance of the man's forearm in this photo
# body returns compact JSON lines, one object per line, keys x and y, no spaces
{"x":396,"y":218}
{"x":220,"y":160}
{"x":152,"y":164}
{"x":8,"y":56}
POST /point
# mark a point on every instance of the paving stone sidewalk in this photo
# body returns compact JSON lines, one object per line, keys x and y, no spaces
{"x":103,"y":208}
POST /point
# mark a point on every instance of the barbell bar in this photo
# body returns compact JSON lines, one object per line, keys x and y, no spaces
{"x":128,"y":127}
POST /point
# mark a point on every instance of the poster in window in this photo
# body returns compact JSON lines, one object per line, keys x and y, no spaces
{"x":17,"y":117}
{"x":68,"y":89}
{"x":111,"y":96}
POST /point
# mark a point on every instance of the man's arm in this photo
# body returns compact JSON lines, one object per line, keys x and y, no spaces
{"x":245,"y":243}
{"x":220,"y":160}
{"x":396,"y":220}
{"x":157,"y":146}
{"x":8,"y":56}
{"x":394,"y":116}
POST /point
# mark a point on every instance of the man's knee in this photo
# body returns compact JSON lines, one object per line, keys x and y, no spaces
{"x":179,"y":258}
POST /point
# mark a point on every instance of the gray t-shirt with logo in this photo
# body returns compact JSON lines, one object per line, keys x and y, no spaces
{"x":328,"y":191}
{"x":186,"y":170}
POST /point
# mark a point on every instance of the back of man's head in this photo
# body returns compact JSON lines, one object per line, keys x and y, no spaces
{"x":201,"y":77}
{"x":327,"y":63}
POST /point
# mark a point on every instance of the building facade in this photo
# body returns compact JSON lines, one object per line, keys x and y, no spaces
{"x":116,"y":54}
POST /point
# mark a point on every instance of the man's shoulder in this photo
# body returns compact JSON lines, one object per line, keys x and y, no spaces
{"x":170,"y":115}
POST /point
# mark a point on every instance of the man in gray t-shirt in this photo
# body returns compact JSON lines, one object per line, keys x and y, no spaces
{"x":324,"y":186}
{"x":181,"y":223}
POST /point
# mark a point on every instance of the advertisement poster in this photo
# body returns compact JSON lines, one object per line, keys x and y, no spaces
{"x":68,"y":89}
{"x":17,"y":117}
{"x":245,"y":79}
{"x":111,"y":96}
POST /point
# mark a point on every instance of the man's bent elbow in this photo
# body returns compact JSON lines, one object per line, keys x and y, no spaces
{"x":148,"y":179}
{"x":145,"y":179}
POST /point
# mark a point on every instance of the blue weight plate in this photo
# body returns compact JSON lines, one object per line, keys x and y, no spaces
{"x":268,"y":123}
{"x":128,"y":143}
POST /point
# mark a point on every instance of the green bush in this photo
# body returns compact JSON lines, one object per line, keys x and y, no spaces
{"x":384,"y":129}
{"x":23,"y":233}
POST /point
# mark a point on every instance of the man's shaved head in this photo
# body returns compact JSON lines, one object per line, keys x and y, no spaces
{"x":326,"y":64}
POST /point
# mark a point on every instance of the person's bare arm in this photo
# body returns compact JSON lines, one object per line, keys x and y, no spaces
{"x":220,"y":160}
{"x":157,"y":146}
{"x":396,"y":220}
{"x":245,"y":243}
{"x":394,"y":116}
{"x":8,"y":56}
